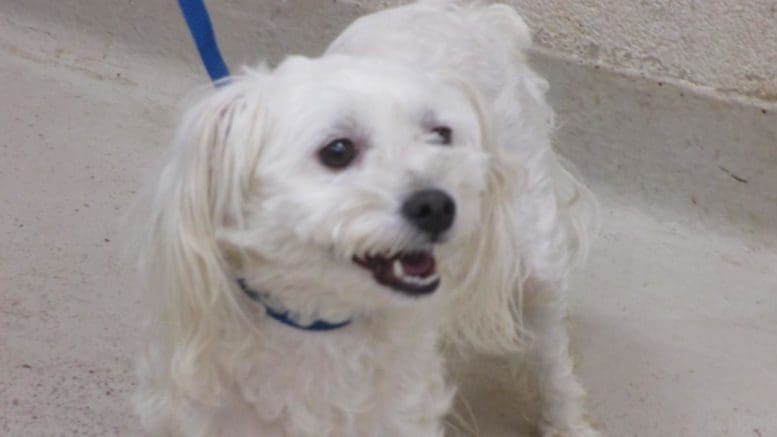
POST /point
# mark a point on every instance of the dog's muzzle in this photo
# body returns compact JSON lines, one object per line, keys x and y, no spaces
{"x":412,"y":273}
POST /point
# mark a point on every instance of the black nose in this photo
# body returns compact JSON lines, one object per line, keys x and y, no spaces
{"x":431,"y":211}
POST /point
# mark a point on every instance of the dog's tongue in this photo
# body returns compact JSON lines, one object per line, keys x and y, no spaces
{"x":417,"y":264}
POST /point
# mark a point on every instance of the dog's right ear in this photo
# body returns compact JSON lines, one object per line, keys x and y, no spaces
{"x":200,"y":192}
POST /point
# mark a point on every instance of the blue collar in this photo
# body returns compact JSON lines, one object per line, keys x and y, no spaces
{"x":284,"y":315}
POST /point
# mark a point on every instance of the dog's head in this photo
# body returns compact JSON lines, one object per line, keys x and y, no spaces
{"x":336,"y":185}
{"x":344,"y":180}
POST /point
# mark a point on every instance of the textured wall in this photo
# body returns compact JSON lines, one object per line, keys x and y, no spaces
{"x":727,"y":45}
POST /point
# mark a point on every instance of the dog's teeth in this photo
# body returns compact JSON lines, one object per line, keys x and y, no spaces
{"x":417,"y":280}
{"x":399,"y":271}
{"x":413,"y":280}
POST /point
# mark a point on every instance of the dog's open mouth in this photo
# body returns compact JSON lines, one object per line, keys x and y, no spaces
{"x":413,"y":273}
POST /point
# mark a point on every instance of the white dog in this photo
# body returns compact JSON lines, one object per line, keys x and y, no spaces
{"x":322,"y":228}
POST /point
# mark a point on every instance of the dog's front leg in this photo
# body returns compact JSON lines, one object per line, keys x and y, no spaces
{"x":562,"y":396}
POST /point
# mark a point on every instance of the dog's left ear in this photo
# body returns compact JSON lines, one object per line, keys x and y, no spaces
{"x":487,"y":299}
{"x":201,"y":192}
{"x":536,"y":218}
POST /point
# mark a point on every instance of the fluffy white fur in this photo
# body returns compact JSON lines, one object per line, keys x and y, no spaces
{"x":244,"y":195}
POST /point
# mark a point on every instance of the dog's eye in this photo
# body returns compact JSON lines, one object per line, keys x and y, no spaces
{"x":337,"y":154}
{"x":445,"y":133}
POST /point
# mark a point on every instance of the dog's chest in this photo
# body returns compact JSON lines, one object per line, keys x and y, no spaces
{"x":340,"y":385}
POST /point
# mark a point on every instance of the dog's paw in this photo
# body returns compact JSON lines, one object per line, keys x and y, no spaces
{"x":578,"y":430}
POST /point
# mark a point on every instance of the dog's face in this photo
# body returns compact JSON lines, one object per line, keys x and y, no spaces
{"x":367,"y":175}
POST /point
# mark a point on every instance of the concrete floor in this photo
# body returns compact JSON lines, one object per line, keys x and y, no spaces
{"x":674,"y":319}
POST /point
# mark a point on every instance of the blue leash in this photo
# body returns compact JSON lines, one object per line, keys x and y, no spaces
{"x":196,"y":15}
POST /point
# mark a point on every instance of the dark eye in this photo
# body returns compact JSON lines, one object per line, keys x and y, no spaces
{"x":445,"y":134}
{"x":337,"y":154}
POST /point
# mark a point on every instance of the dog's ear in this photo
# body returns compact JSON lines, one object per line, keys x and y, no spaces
{"x":536,"y":220}
{"x":200,"y":192}
{"x":487,"y":300}
{"x":558,"y":213}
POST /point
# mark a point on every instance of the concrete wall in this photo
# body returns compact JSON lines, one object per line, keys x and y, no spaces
{"x":729,"y":46}
{"x":725,"y":45}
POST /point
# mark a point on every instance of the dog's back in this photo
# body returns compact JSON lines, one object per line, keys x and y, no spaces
{"x":483,"y":45}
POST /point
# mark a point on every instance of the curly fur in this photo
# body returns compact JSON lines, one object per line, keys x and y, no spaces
{"x":244,"y":196}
